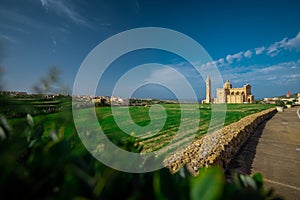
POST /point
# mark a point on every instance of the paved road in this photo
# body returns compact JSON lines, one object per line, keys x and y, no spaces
{"x":274,"y":151}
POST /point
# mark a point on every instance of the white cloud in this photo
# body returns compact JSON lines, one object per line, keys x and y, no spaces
{"x":292,"y":76}
{"x":272,"y":50}
{"x":259,"y":50}
{"x":14,"y":28}
{"x":211,"y":64}
{"x":271,"y":78}
{"x":18,"y":22}
{"x":248,"y":54}
{"x":229,"y":58}
{"x":237,"y":56}
{"x":7,"y":38}
{"x":271,"y":69}
{"x":293,"y":43}
{"x":280,"y":67}
{"x":221,"y":61}
{"x":276,"y":47}
{"x":285,"y":74}
{"x":45,"y":4}
{"x":285,"y":43}
{"x":62,"y":8}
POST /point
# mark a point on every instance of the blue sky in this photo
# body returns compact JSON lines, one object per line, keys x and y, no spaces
{"x":256,"y":42}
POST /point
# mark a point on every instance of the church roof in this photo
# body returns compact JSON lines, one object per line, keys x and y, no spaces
{"x":227,"y":85}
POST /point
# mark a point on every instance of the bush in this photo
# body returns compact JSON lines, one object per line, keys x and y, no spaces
{"x":280,"y":103}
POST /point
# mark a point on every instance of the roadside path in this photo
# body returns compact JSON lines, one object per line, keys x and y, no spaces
{"x":274,"y":151}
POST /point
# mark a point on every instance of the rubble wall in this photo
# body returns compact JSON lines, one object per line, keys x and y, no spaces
{"x":217,"y":148}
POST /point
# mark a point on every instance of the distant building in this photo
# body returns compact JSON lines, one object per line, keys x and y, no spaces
{"x":208,"y":91}
{"x":13,"y":93}
{"x":228,"y":94}
{"x":116,"y":99}
{"x":274,"y":99}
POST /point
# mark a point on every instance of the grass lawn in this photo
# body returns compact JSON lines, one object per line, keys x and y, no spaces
{"x":152,"y":138}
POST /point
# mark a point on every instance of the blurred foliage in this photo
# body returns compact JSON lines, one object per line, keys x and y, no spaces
{"x":40,"y":164}
{"x":20,"y":106}
{"x":51,"y":83}
{"x":279,"y":103}
{"x":1,"y":74}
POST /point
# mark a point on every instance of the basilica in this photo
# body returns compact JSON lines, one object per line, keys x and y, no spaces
{"x":228,"y":94}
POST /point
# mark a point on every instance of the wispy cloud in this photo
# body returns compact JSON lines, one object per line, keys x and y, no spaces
{"x":273,"y":50}
{"x":10,"y":27}
{"x":259,"y":50}
{"x":15,"y":18}
{"x":272,"y":68}
{"x":18,"y":22}
{"x":14,"y":24}
{"x":7,"y":38}
{"x":278,"y":74}
{"x":276,"y":47}
{"x":284,"y":44}
{"x":62,"y":8}
{"x":45,"y":3}
{"x":237,"y":56}
{"x":221,"y":61}
{"x":248,"y":54}
{"x":293,"y":43}
{"x":282,"y":76}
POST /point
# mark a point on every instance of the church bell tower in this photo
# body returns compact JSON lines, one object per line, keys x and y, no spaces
{"x":208,"y":90}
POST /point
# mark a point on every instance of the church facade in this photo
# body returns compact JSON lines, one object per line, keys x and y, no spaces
{"x":228,"y":94}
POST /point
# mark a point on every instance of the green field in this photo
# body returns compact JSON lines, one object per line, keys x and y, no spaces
{"x":152,"y":139}
{"x":43,"y":158}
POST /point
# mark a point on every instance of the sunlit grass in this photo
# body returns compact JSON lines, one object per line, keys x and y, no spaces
{"x":140,"y":115}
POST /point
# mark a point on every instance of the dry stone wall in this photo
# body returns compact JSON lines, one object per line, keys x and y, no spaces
{"x":218,"y":147}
